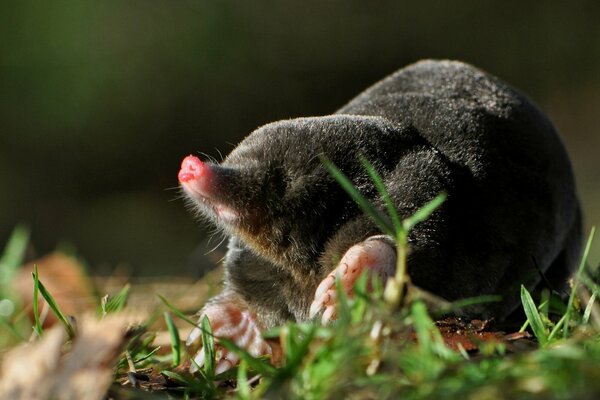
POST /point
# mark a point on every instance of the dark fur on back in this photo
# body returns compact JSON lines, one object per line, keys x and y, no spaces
{"x":433,"y":126}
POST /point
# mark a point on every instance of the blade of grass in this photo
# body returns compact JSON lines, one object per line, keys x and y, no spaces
{"x":11,"y":328}
{"x":117,"y":302}
{"x":544,"y":307}
{"x":429,"y":337}
{"x":363,"y":203}
{"x":470,"y":301}
{"x":524,"y":326}
{"x":174,"y":336}
{"x":196,"y":385}
{"x":296,"y":351}
{"x":37,"y":326}
{"x":533,"y":316}
{"x":421,"y":325}
{"x":391,"y":208}
{"x":12,"y":256}
{"x":208,"y":344}
{"x":424,"y":212}
{"x":395,"y":286}
{"x":208,"y":347}
{"x":576,"y":281}
{"x":261,"y":366}
{"x":343,"y":307}
{"x":136,"y":347}
{"x":361,"y":298}
{"x":178,"y":313}
{"x":526,"y":323}
{"x":146,"y":356}
{"x":243,"y":388}
{"x":52,"y":304}
{"x":557,"y":327}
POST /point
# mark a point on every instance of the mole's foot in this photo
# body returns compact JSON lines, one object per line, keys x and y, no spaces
{"x":376,"y":255}
{"x":227,"y":321}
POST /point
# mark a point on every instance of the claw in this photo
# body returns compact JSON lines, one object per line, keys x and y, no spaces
{"x":325,"y":285}
{"x":374,"y":254}
{"x":328,"y":315}
{"x":222,"y":366}
{"x":193,"y":336}
{"x":198,"y":361}
{"x":326,"y":298}
{"x":316,"y":306}
{"x":234,"y":324}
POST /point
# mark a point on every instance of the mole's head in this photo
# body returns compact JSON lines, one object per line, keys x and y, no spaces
{"x":273,"y":190}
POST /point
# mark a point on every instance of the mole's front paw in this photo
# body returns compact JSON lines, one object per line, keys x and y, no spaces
{"x":227,"y":321}
{"x":375,"y":255}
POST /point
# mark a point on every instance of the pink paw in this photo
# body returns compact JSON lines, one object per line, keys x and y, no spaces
{"x":373,"y":254}
{"x":228,"y":321}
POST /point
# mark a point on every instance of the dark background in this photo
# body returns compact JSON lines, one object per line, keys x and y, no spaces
{"x":100,"y":100}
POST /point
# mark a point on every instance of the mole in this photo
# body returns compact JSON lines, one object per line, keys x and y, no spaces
{"x":510,"y":217}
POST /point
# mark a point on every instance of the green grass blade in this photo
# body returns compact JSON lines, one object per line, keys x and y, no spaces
{"x":343,"y":307}
{"x":117,"y":302}
{"x":576,"y":281}
{"x":524,"y":326}
{"x":11,"y":328}
{"x":174,"y":336}
{"x":429,"y":337}
{"x":261,"y":366}
{"x":178,"y":313}
{"x":297,"y":348}
{"x":208,"y":347}
{"x":469,"y":301}
{"x":424,"y":212}
{"x":526,"y":323}
{"x":421,"y":324}
{"x":37,"y":326}
{"x":243,"y":388}
{"x":533,"y":316}
{"x":557,"y":327}
{"x":363,"y":203}
{"x":196,"y":385}
{"x":391,"y":208}
{"x":12,"y":256}
{"x":361,"y":298}
{"x":544,"y":307}
{"x":146,"y":356}
{"x":53,"y":305}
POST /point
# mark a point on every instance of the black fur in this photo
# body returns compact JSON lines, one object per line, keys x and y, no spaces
{"x":430,"y":127}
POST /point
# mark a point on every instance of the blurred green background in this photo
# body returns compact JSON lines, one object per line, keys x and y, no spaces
{"x":100,"y":100}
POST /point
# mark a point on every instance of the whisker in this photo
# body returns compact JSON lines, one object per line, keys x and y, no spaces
{"x":317,"y":155}
{"x":216,"y":247}
{"x":177,"y":198}
{"x":208,"y":156}
{"x":220,"y":154}
{"x":221,"y":260}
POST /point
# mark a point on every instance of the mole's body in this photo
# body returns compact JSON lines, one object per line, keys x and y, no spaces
{"x":433,"y":126}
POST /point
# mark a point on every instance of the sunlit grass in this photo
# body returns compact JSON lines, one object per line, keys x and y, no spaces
{"x":371,"y":352}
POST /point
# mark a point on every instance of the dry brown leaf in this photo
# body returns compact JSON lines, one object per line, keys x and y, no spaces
{"x":42,"y":370}
{"x":27,"y":371}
